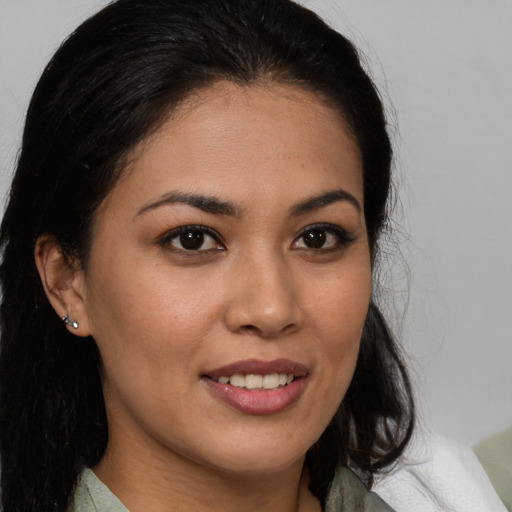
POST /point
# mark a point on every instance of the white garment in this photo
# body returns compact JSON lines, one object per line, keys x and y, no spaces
{"x":436,"y":475}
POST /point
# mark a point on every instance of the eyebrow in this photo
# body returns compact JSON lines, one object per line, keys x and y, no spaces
{"x":207,"y":204}
{"x":210,"y":204}
{"x":316,"y":202}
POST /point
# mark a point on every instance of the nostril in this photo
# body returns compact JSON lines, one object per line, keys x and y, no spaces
{"x":266,"y":332}
{"x":250,"y":329}
{"x":290,"y":328}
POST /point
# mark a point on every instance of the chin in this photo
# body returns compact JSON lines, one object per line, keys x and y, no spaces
{"x":260,"y":459}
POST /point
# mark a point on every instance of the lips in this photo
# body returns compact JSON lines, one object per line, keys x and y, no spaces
{"x":258,"y":387}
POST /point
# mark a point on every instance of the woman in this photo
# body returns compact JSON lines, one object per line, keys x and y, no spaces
{"x":199,"y":197}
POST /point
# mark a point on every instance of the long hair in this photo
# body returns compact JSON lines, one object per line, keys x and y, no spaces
{"x":111,"y":84}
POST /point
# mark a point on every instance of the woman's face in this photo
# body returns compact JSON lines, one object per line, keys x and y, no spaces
{"x":228,"y":281}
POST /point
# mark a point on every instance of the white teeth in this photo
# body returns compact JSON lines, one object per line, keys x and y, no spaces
{"x":253,"y":381}
{"x":271,"y":381}
{"x":237,"y":380}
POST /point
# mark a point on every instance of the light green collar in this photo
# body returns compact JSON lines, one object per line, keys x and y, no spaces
{"x":347,"y":494}
{"x":92,"y":495}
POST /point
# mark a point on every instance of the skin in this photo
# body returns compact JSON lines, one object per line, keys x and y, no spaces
{"x":163,"y":316}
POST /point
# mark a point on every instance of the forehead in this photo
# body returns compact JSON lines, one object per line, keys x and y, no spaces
{"x":231,"y":139}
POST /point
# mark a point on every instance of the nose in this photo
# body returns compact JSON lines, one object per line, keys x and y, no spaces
{"x":263,"y":299}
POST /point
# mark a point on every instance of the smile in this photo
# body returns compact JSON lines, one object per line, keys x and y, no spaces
{"x":258,"y":387}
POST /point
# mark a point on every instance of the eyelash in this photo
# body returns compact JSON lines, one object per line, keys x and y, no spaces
{"x":343,"y":239}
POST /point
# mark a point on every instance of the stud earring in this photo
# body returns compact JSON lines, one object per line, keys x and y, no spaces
{"x":72,"y":323}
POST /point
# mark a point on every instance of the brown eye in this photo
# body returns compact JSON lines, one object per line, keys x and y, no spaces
{"x":322,"y":237}
{"x":192,"y":239}
{"x":315,"y":238}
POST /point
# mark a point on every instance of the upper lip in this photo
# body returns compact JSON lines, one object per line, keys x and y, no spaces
{"x":259,"y":367}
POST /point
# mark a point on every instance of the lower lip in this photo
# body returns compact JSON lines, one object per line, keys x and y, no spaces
{"x":265,"y":401}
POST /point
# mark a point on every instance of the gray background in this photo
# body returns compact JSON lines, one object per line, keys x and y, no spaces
{"x":445,"y":71}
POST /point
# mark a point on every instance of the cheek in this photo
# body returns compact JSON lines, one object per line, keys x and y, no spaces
{"x":340,"y":304}
{"x":338,"y":316}
{"x":138,"y":296}
{"x":337,"y":311}
{"x":145,"y":321}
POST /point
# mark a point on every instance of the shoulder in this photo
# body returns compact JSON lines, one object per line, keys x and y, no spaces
{"x":436,"y":474}
{"x":92,"y":495}
{"x":348,"y":494}
{"x":495,"y":455}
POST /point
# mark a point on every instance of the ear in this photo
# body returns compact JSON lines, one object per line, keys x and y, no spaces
{"x":63,"y":282}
